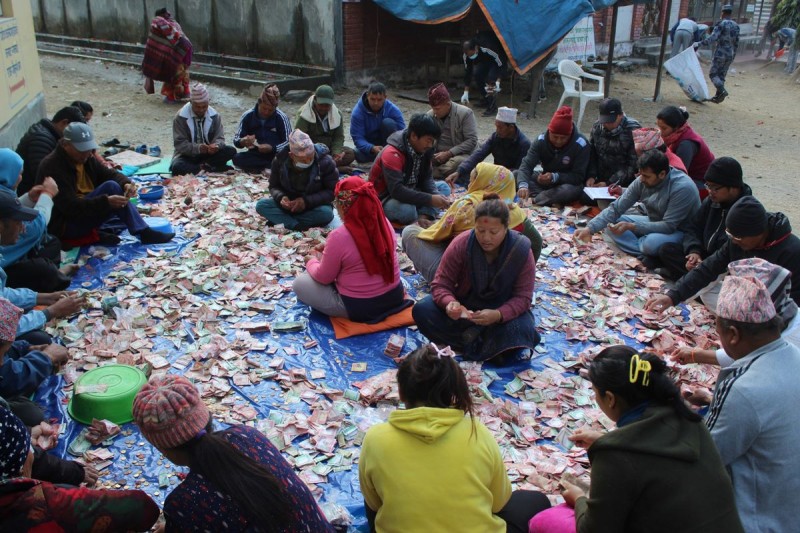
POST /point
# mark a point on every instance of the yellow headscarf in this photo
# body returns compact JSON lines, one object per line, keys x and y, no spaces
{"x":460,"y":216}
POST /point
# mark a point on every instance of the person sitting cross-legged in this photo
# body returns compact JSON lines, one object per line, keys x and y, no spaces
{"x":480,"y":301}
{"x":425,"y":247}
{"x":564,"y":155}
{"x":402,"y":175}
{"x":90,"y":193}
{"x":670,"y":200}
{"x":459,"y":131}
{"x":263,"y":130}
{"x":301,"y":185}
{"x":374,"y":119}
{"x":358,"y":276}
{"x":322,"y":121}
{"x":199,"y":137}
{"x":508,"y":146}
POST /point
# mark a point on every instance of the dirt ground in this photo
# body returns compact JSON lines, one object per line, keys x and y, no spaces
{"x":757,"y":124}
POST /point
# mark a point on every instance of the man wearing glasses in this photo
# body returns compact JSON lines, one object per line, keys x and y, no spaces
{"x":751,"y":232}
{"x":706,"y":234}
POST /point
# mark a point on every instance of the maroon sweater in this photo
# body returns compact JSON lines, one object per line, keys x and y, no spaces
{"x":453,"y":280}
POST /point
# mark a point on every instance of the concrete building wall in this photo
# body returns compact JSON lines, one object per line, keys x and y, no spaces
{"x":302,"y":31}
{"x":21,"y":96}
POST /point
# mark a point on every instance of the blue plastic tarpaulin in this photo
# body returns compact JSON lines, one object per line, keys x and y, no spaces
{"x":527,"y":30}
{"x":427,"y":11}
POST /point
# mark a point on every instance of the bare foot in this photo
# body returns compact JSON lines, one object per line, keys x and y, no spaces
{"x":70,"y":270}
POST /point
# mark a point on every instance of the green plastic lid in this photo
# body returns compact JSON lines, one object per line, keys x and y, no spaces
{"x":120,"y":384}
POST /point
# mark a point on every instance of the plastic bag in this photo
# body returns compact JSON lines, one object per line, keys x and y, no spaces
{"x":686,"y":70}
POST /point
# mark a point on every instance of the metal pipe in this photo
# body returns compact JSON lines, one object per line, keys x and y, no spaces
{"x":664,"y":32}
{"x":611,"y":44}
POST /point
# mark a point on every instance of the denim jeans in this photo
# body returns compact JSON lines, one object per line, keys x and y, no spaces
{"x":77,"y":228}
{"x":648,"y":244}
{"x":402,"y":213}
{"x":313,"y":218}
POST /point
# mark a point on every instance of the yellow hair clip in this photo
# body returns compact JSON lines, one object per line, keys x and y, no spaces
{"x":637,"y":365}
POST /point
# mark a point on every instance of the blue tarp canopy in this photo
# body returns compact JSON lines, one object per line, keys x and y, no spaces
{"x":528,"y":30}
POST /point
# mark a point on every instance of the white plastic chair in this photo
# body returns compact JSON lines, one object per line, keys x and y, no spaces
{"x":571,"y":77}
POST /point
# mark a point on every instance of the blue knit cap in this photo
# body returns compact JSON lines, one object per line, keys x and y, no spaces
{"x":15,"y":443}
{"x":10,"y":167}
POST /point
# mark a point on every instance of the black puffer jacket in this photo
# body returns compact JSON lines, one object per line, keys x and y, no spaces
{"x":614,"y":153}
{"x":781,"y":248}
{"x":322,"y":178}
{"x":35,"y":145}
{"x":707,"y":234}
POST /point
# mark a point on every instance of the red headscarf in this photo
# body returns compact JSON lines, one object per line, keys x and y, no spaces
{"x":364,"y":219}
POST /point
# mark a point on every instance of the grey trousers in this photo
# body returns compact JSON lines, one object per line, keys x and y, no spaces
{"x":323,"y":298}
{"x":440,"y":172}
{"x":683,"y":40}
{"x":425,"y":255}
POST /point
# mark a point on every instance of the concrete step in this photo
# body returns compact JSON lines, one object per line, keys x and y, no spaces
{"x":244,"y":73}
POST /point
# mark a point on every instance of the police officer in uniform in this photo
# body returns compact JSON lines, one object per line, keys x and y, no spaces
{"x":726,"y":35}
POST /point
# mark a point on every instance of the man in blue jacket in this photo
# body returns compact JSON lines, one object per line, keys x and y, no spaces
{"x":374,"y":118}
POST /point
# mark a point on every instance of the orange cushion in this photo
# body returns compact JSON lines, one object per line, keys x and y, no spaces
{"x":343,"y":328}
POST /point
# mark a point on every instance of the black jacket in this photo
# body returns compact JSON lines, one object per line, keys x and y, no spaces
{"x":35,"y":145}
{"x":68,"y":204}
{"x":569,"y":162}
{"x":322,"y":179}
{"x":707,"y":233}
{"x":506,"y":153}
{"x":614,"y":157}
{"x":782,"y":248}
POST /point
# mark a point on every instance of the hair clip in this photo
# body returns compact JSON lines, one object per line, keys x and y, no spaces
{"x":443,"y":352}
{"x":637,"y":365}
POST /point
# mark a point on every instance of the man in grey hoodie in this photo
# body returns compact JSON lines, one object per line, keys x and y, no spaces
{"x":670,"y":199}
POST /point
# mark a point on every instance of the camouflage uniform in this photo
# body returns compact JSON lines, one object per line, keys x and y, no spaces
{"x":726,"y":35}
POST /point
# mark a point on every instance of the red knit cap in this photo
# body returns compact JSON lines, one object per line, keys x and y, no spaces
{"x":561,"y":123}
{"x":169,"y":411}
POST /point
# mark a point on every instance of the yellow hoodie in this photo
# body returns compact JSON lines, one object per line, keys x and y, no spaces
{"x":429,"y":470}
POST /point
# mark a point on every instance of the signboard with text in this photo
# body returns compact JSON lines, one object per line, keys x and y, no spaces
{"x":16,"y":87}
{"x":578,"y":45}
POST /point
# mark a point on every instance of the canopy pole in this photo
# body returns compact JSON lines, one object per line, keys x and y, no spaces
{"x":664,"y":32}
{"x":611,"y":45}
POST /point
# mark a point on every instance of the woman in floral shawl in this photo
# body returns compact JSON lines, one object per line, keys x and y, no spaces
{"x":425,"y":247}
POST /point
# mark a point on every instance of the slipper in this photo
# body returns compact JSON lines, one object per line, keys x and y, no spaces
{"x":142,"y":149}
{"x":111,"y":142}
{"x":155,"y":151}
{"x":111,"y":151}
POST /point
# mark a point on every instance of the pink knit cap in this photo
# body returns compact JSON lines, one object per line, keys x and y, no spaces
{"x":745,"y":299}
{"x":300,"y":144}
{"x":199,"y":94}
{"x":169,"y":411}
{"x":9,"y":320}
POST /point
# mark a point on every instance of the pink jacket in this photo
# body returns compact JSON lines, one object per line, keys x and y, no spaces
{"x":341,"y":264}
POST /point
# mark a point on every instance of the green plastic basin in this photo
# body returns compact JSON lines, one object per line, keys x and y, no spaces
{"x":123,"y":382}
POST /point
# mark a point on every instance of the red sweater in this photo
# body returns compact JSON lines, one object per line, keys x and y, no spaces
{"x":453,"y":280}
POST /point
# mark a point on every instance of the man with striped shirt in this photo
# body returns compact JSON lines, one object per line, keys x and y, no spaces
{"x":753,"y":417}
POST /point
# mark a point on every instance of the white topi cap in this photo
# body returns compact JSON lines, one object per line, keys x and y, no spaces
{"x":507,"y":115}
